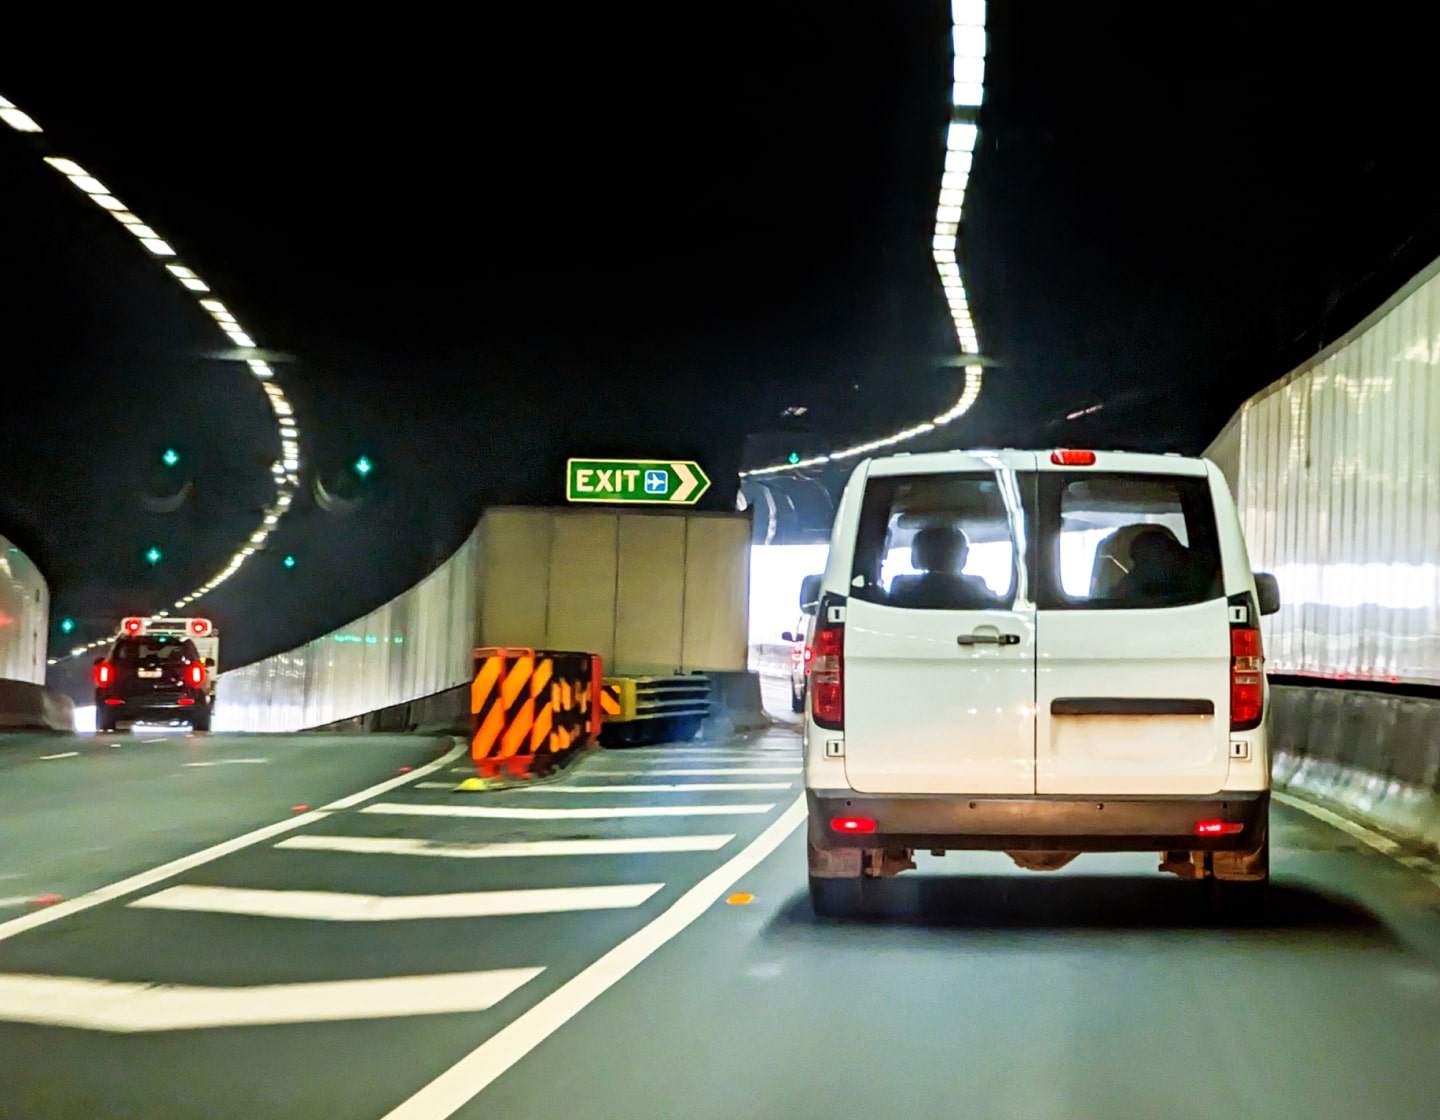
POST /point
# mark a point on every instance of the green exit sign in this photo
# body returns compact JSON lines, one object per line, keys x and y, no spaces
{"x":678,"y":482}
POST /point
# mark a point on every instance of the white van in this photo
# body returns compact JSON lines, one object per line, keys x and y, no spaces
{"x":1042,"y":653}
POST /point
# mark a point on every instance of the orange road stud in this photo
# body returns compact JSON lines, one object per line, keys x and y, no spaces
{"x":740,"y":898}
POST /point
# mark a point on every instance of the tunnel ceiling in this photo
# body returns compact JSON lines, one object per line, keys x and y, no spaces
{"x":591,"y":238}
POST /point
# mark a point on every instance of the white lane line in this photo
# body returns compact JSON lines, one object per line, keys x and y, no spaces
{"x":405,"y":846}
{"x":595,"y":813}
{"x":62,"y":754}
{"x":230,"y":762}
{"x":400,"y":779}
{"x":434,"y":785}
{"x":206,"y":855}
{"x":1382,"y":844}
{"x":127,"y":1008}
{"x":463,"y":1081}
{"x":713,"y":772}
{"x":333,"y":906}
{"x":157,"y":739}
{"x":660,"y":787}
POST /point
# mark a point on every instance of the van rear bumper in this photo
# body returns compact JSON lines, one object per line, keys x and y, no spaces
{"x":1039,"y":823}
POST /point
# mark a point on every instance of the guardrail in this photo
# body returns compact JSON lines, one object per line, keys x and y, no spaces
{"x":654,"y":709}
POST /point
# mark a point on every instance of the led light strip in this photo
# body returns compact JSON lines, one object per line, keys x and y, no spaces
{"x":967,"y":91}
{"x":285,"y":471}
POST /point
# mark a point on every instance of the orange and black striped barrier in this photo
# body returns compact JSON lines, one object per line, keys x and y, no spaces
{"x":528,"y":707}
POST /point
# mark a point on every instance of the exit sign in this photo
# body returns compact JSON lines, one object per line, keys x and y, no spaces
{"x":635,"y":481}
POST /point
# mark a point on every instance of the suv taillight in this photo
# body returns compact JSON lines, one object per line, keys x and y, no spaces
{"x":196,"y":673}
{"x":827,"y":676}
{"x":104,"y":674}
{"x":1247,"y":678}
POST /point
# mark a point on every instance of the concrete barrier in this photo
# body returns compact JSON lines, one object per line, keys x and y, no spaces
{"x":735,"y":705}
{"x":440,"y":713}
{"x":34,"y":707}
{"x":1373,"y":756}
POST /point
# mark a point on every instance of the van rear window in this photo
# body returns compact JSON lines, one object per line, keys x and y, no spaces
{"x":935,"y":542}
{"x":1126,"y":541}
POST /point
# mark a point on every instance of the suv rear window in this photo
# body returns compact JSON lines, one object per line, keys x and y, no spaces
{"x":935,"y":542}
{"x":158,"y":647}
{"x":1126,"y":541}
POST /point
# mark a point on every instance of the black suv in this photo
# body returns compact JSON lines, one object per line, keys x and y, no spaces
{"x":152,"y":677}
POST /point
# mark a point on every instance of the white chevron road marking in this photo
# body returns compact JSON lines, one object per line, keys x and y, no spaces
{"x":333,"y":906}
{"x":405,"y":846}
{"x":107,"y":1005}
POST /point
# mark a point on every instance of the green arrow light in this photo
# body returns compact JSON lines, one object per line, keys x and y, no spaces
{"x":363,"y":466}
{"x":793,"y":457}
{"x":153,"y":555}
{"x":171,"y":457}
{"x":289,"y":561}
{"x":66,"y":625}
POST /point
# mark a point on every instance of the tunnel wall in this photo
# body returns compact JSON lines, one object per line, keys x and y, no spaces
{"x":24,"y":616}
{"x":416,"y":645}
{"x":649,"y":592}
{"x":1336,"y":472}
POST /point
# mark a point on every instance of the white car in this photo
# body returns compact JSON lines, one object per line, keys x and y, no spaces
{"x":1041,"y":653}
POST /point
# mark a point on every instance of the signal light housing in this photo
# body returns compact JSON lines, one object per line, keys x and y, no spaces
{"x":132,"y":625}
{"x":199,"y":627}
{"x":1066,"y":457}
{"x":827,"y":676}
{"x":1247,"y":678}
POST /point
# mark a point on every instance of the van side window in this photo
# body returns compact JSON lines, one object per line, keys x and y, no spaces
{"x":935,"y":542}
{"x":1127,"y":541}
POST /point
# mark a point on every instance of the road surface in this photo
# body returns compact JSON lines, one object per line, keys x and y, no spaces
{"x":616,"y":945}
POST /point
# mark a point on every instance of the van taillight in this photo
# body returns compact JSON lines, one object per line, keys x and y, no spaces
{"x":103,"y":673}
{"x":1247,"y":678}
{"x":827,"y":676}
{"x":197,"y":674}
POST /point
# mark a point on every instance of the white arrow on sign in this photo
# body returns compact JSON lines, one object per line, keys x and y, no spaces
{"x":688,"y":482}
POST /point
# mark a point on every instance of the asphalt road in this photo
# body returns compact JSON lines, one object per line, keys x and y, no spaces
{"x":580,"y":952}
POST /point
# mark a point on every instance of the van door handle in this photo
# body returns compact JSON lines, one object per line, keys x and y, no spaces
{"x":988,"y":639}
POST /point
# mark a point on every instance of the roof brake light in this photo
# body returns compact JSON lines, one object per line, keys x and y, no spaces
{"x":1065,"y":457}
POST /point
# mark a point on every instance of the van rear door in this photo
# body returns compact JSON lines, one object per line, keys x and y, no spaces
{"x":939,"y":648}
{"x":1132,"y":693}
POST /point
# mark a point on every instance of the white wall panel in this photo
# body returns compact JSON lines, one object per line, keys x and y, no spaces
{"x":417,"y":644}
{"x":24,"y":616}
{"x":1338,"y":485}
